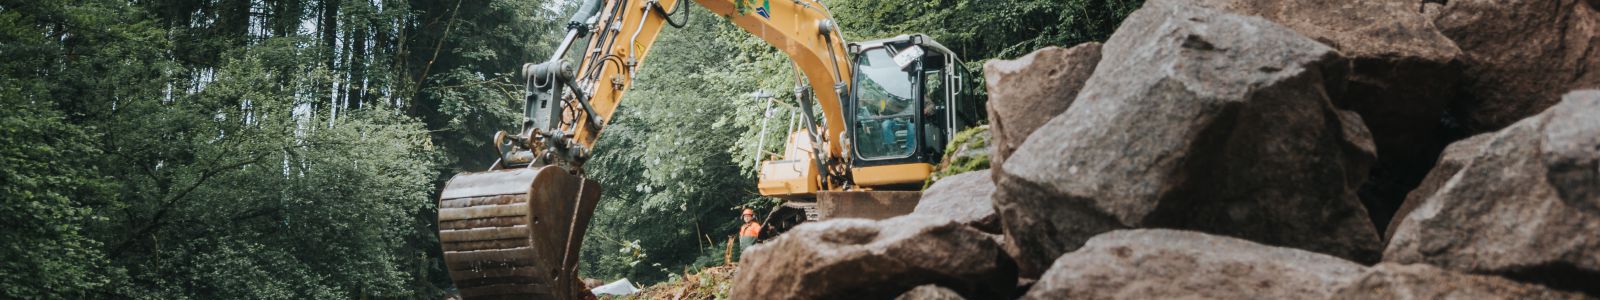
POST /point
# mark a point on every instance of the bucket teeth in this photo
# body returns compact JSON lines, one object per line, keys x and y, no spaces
{"x":515,"y":233}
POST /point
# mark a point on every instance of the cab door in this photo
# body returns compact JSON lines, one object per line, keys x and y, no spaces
{"x":891,"y":117}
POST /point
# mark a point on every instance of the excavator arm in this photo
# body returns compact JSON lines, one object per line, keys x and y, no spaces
{"x":515,"y":230}
{"x":575,"y":105}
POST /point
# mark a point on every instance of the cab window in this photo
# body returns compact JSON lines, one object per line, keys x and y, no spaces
{"x":885,"y":107}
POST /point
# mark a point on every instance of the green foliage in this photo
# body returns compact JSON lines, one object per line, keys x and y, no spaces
{"x":671,"y":161}
{"x":968,"y":151}
{"x":50,"y":181}
{"x":978,"y":30}
{"x":44,"y":211}
{"x":170,"y":149}
{"x":464,"y":56}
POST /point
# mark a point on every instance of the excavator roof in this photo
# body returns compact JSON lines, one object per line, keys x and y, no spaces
{"x":920,"y":39}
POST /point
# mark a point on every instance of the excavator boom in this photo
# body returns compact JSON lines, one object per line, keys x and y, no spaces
{"x":804,"y":30}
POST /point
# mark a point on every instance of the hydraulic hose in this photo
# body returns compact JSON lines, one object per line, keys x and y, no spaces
{"x":676,"y":11}
{"x":585,"y":11}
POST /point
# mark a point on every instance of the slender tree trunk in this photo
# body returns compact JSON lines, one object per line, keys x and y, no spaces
{"x":358,"y":66}
{"x":328,"y":32}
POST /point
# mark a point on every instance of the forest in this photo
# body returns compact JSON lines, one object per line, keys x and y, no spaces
{"x":293,"y":149}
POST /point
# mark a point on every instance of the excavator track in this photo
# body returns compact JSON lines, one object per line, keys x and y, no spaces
{"x":515,"y":234}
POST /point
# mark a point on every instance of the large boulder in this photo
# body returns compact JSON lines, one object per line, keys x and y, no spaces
{"x":1196,"y":119}
{"x":1163,"y":264}
{"x":1026,"y":92}
{"x":963,"y":198}
{"x":1404,"y":73}
{"x":1420,"y":281}
{"x":1521,"y":55}
{"x":1168,"y":264}
{"x":865,"y":259}
{"x":1450,"y":162}
{"x":1527,"y":206}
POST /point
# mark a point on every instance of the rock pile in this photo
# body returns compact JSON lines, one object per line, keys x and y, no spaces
{"x":1256,"y":149}
{"x":1196,"y":119}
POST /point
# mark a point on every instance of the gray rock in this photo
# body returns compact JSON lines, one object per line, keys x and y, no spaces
{"x":1164,"y":264}
{"x":1026,"y":92}
{"x":1404,"y":73}
{"x":963,"y":198}
{"x":865,"y":259}
{"x":1420,"y":281}
{"x":1521,"y":55}
{"x":1450,"y":162}
{"x":930,"y":292}
{"x":1526,"y":207}
{"x":1196,"y":119}
{"x":1169,"y":264}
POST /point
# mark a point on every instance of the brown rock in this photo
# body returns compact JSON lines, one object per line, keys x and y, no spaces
{"x":1419,"y":281}
{"x":1026,"y":92}
{"x":864,"y":259}
{"x":1404,"y":73}
{"x":963,"y":198}
{"x":1195,"y":119}
{"x":1168,"y":264}
{"x":930,"y":292}
{"x":1165,"y":264}
{"x":1450,"y":162}
{"x":1526,"y":207}
{"x":1521,"y":55}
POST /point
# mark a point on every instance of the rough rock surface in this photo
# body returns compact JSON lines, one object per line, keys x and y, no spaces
{"x":1196,"y":119}
{"x":1404,"y":73}
{"x":864,"y":259}
{"x":1168,"y":264}
{"x":1526,"y":207}
{"x":930,"y":292}
{"x":963,"y":198}
{"x":1521,"y":55}
{"x":1027,"y":91}
{"x":1420,"y":281}
{"x":1450,"y":162}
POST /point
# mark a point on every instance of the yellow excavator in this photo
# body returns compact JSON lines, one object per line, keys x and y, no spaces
{"x":887,"y":108}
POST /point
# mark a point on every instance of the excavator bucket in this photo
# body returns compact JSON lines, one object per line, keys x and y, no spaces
{"x":516,"y":233}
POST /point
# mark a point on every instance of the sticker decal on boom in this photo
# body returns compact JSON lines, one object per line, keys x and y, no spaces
{"x":765,"y":10}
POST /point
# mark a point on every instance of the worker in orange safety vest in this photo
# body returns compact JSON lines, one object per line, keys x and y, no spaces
{"x":750,"y":231}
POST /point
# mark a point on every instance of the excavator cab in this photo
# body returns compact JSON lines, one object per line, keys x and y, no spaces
{"x":910,"y":97}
